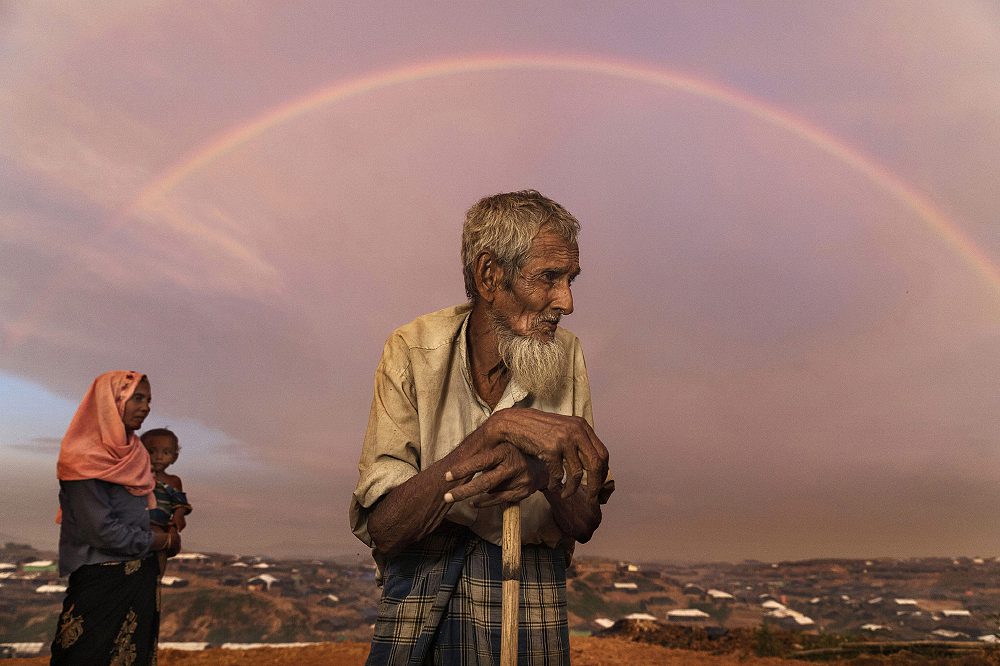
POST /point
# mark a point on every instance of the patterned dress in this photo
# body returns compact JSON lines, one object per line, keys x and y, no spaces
{"x":110,"y":616}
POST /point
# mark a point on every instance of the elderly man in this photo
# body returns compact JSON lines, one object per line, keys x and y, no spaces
{"x":475,"y":406}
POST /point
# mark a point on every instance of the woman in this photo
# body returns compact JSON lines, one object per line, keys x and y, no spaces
{"x":110,"y":615}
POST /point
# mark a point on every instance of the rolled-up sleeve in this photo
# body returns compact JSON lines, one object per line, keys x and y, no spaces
{"x":391,"y":451}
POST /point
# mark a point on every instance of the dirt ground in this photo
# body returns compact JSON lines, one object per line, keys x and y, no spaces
{"x":587,"y":651}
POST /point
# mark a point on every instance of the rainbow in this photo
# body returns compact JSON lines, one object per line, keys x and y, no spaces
{"x":153,"y":197}
{"x":236,"y":136}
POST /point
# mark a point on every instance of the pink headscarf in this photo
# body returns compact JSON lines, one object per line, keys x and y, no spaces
{"x":95,"y":445}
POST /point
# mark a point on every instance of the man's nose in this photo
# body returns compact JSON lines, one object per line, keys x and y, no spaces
{"x":563,"y":300}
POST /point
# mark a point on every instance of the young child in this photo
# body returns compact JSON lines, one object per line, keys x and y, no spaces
{"x":171,"y":502}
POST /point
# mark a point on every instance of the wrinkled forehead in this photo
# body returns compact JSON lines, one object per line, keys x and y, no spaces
{"x":549,"y":245}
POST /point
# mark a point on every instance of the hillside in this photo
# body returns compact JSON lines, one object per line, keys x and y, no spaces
{"x":749,"y":608}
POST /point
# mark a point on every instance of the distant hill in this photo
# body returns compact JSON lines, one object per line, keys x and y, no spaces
{"x":218,"y":598}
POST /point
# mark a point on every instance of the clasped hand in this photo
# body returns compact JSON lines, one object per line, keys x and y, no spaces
{"x":507,"y":476}
{"x":532,"y":450}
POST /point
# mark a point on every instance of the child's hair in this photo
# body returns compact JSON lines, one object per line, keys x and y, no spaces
{"x":161,"y":432}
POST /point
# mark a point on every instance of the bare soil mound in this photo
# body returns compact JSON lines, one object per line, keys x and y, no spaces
{"x":627,"y":643}
{"x":586,"y":651}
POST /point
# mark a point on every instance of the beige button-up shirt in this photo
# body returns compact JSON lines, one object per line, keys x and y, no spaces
{"x":425,"y":404}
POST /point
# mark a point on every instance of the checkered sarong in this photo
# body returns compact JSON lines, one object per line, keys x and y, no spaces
{"x":441,"y":604}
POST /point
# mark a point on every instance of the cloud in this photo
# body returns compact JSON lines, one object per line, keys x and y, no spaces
{"x":42,"y":446}
{"x":767,"y":328}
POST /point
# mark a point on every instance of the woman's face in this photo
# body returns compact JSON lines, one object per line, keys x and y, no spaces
{"x":137,"y":406}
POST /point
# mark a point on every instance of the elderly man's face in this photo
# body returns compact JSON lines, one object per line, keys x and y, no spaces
{"x":541,"y":293}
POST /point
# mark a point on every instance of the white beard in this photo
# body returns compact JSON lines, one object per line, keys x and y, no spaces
{"x":536,"y":365}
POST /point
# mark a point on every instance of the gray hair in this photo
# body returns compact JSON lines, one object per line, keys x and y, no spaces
{"x":505,"y":224}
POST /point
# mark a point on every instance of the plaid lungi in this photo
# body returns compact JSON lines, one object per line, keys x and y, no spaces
{"x":441,"y":603}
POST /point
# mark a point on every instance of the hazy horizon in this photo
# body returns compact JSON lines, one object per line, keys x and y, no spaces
{"x":790,"y":298}
{"x":351,"y":558}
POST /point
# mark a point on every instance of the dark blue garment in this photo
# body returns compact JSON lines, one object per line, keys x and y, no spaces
{"x":101,"y":522}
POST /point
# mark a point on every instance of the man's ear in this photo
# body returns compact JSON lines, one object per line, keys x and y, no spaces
{"x":488,"y":275}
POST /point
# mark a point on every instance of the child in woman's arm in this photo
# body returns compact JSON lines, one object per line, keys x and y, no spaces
{"x":171,"y":503}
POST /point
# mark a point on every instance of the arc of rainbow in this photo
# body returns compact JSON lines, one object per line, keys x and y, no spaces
{"x":234,"y":137}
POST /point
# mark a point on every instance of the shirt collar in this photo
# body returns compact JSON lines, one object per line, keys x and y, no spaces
{"x":511,"y":395}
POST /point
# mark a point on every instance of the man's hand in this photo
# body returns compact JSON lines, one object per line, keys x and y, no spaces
{"x":565,"y":444}
{"x":518,"y":451}
{"x":508,"y":475}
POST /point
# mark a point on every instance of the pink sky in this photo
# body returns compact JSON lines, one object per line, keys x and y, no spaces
{"x":790,"y":303}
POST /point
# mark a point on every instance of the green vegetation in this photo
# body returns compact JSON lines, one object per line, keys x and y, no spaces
{"x":28,"y":627}
{"x":238,"y":617}
{"x":773,"y":642}
{"x":586,"y":602}
{"x":720,"y":613}
{"x":767,"y":643}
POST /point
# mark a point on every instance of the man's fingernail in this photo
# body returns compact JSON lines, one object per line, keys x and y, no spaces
{"x":448,"y":476}
{"x":449,"y":498}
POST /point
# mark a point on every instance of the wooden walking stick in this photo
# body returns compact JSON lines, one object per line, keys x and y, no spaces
{"x":510,"y":549}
